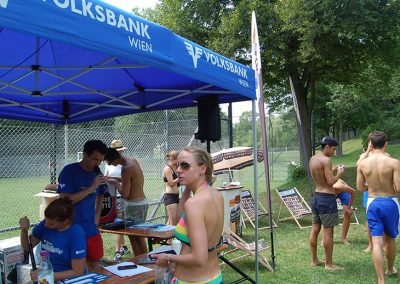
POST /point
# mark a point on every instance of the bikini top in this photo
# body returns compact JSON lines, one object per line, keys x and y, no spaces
{"x":174,"y":174}
{"x":181,"y":234}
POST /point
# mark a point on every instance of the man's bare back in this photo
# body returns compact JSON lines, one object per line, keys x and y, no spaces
{"x":381,"y":172}
{"x":132,"y":179}
{"x":322,"y":174}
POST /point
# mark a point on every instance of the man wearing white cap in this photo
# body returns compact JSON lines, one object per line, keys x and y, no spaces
{"x":131,"y":190}
{"x":115,"y":172}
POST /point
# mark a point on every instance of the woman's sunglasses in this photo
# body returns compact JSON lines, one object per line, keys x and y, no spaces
{"x":183,"y":165}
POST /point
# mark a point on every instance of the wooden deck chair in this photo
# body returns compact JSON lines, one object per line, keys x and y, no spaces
{"x":340,"y":210}
{"x":248,"y":249}
{"x":295,"y":203}
{"x":249,"y":210}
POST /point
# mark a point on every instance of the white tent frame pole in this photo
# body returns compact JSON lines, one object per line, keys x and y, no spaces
{"x":180,"y":95}
{"x":255,"y":152}
{"x":84,"y":71}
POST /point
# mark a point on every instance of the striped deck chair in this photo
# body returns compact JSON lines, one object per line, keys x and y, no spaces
{"x":249,"y":213}
{"x":295,"y":203}
{"x":247,"y":249}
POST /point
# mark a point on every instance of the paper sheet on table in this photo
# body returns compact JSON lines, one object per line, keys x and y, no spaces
{"x":145,"y":226}
{"x":91,"y":277}
{"x":165,"y":228}
{"x":160,"y":249}
{"x":129,"y":272}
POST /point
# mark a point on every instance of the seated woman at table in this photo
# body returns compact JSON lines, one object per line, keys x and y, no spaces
{"x":171,"y":196}
{"x":201,"y":225}
{"x":65,"y":241}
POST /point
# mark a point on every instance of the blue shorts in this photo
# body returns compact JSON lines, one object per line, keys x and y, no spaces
{"x":383,"y":216}
{"x":344,"y":198}
{"x":365,"y":198}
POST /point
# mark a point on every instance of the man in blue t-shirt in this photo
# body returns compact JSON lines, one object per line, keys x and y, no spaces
{"x":85,"y":185}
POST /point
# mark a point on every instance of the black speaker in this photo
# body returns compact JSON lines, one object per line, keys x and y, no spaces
{"x":209,"y":119}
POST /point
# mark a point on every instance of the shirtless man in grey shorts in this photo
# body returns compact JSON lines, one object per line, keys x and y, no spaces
{"x":323,"y":203}
{"x":382,"y":173}
{"x":131,"y":190}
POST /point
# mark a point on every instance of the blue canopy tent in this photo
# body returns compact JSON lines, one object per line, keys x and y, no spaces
{"x":70,"y":61}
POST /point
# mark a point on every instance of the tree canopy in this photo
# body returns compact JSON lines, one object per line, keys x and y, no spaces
{"x":341,"y":56}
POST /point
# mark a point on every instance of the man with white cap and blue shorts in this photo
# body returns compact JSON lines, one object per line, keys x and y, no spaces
{"x":382,"y":173}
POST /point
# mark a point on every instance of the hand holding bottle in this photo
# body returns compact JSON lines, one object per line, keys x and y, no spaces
{"x":45,"y":273}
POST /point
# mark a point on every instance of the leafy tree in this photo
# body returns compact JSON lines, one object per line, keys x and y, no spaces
{"x":192,"y":19}
{"x":311,"y":41}
{"x":243,"y":130}
{"x":283,"y":130}
{"x":308,"y":41}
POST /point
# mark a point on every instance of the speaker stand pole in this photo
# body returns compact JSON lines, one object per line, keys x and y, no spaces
{"x":208,"y":146}
{"x":230,"y":123}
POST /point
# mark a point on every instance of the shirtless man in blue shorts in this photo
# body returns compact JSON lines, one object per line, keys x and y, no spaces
{"x":324,"y":206}
{"x":382,"y":173}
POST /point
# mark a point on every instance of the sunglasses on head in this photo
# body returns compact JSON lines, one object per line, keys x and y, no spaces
{"x":183,"y":165}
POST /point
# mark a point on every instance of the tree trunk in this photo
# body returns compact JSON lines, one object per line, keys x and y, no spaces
{"x":305,"y":119}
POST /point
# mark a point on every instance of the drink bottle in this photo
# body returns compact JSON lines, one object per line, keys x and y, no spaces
{"x":45,"y":271}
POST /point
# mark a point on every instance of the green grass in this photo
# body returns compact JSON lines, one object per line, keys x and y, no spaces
{"x":18,"y":200}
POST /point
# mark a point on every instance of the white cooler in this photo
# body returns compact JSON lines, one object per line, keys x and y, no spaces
{"x":232,"y":195}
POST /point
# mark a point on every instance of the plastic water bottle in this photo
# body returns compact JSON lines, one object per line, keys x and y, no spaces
{"x":45,"y":271}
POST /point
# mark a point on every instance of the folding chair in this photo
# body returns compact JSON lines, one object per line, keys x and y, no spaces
{"x":340,"y":210}
{"x":157,"y":204}
{"x":220,"y":255}
{"x":248,"y":249}
{"x":295,"y":203}
{"x":249,"y":210}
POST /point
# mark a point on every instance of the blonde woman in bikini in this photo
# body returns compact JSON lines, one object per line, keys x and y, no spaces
{"x":200,"y":227}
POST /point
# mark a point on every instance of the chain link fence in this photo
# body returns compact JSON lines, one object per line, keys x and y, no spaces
{"x":33,"y":154}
